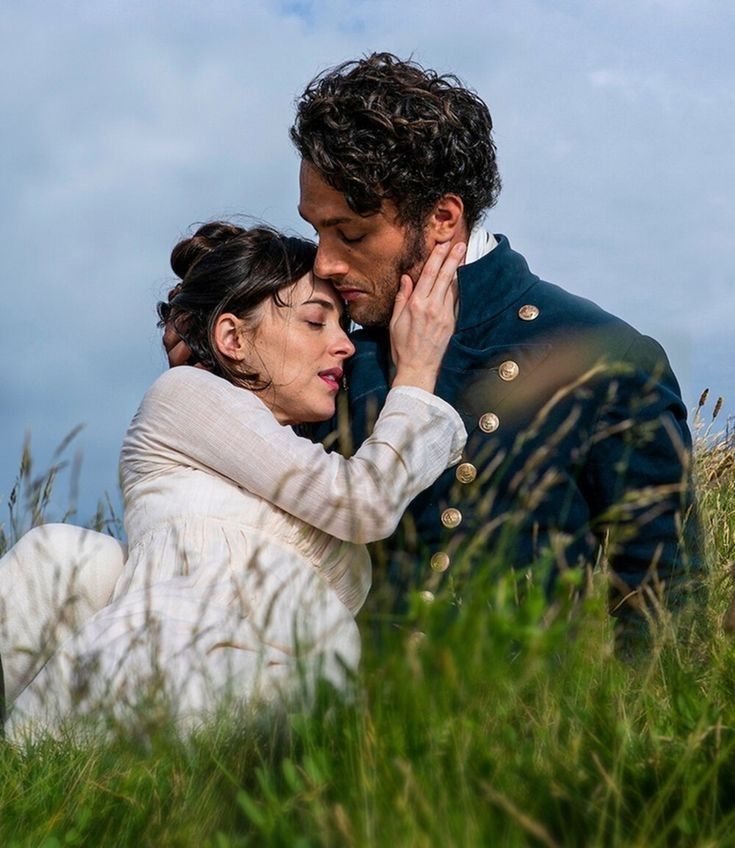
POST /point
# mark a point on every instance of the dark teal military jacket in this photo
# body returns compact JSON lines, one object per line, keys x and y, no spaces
{"x":578,"y":445}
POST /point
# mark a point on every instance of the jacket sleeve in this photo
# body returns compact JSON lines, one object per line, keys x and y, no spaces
{"x":639,"y":477}
{"x":191,"y":417}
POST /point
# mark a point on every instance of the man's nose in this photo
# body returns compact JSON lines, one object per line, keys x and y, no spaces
{"x":328,"y":264}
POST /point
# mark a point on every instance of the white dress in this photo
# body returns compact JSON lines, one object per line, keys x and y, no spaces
{"x":247,"y":559}
{"x":53,"y":580}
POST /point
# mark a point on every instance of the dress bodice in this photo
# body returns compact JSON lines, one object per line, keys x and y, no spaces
{"x":188,"y":522}
{"x":212,"y":481}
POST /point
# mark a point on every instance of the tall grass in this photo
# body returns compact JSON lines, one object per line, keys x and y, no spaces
{"x":502,"y":720}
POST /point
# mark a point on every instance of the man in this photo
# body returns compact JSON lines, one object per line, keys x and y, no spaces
{"x":578,"y":442}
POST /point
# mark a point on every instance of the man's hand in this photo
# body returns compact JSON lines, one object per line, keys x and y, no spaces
{"x":177,"y":350}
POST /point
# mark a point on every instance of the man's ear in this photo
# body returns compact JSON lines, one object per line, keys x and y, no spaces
{"x":446,"y":221}
{"x":229,"y":337}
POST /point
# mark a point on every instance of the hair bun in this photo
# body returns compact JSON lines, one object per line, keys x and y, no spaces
{"x":206,"y":239}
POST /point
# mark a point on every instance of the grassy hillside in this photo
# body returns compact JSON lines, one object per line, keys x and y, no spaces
{"x":500,"y":721}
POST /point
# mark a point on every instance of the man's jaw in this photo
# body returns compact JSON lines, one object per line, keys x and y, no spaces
{"x":367,"y":317}
{"x":366,"y":306}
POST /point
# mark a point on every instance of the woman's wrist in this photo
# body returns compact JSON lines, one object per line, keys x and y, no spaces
{"x":421,"y":378}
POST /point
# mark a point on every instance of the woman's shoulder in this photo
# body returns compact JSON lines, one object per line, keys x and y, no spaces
{"x":181,"y":376}
{"x":190,"y":388}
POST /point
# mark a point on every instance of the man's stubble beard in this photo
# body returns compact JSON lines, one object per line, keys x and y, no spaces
{"x":378,"y":311}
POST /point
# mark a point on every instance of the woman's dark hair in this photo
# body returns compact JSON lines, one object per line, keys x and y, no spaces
{"x":226,"y":268}
{"x":384,"y":129}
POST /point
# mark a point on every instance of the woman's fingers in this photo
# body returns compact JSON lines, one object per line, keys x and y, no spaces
{"x":447,"y":275}
{"x":440,"y":269}
{"x":447,"y":280}
{"x":431,"y":269}
{"x":405,"y":288}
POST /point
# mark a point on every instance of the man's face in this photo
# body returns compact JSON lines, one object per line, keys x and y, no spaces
{"x":363,"y":257}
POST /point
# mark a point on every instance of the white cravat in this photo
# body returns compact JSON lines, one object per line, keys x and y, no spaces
{"x":480,"y":243}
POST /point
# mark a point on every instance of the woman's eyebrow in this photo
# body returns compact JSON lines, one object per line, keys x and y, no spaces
{"x":327,"y":304}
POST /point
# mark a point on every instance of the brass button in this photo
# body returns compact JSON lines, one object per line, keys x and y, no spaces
{"x":440,"y":561}
{"x":529,"y":312}
{"x":489,"y":422}
{"x":508,"y":370}
{"x":427,"y":597}
{"x":451,"y":518}
{"x":466,"y":472}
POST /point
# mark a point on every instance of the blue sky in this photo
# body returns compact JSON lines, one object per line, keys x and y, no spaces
{"x":124,"y":123}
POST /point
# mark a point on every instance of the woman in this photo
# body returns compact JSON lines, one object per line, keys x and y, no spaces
{"x":246,"y":562}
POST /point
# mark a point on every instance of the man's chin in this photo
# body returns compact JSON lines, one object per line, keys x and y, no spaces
{"x":369,"y":314}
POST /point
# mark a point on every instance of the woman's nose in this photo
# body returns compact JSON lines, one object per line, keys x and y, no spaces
{"x":343,"y":345}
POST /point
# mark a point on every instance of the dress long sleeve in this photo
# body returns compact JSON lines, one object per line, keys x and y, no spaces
{"x":191,"y":417}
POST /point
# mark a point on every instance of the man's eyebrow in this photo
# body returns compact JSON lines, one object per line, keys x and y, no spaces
{"x":328,"y":222}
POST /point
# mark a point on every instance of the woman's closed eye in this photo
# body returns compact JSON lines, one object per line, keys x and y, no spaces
{"x":314,"y":316}
{"x":318,"y":312}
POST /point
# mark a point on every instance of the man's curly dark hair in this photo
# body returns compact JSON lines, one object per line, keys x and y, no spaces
{"x":380,"y":128}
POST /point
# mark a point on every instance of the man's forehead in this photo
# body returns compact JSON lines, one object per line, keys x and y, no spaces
{"x":320,"y":203}
{"x":324,"y":206}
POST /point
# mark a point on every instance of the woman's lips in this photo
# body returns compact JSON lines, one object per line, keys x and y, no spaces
{"x":331,"y":377}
